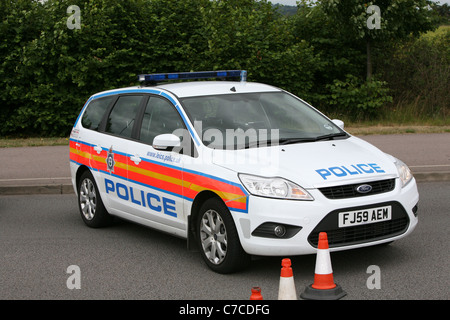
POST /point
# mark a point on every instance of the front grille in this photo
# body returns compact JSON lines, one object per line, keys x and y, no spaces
{"x":338,"y":237}
{"x":349,"y":190}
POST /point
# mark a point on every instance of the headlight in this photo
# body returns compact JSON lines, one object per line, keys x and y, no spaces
{"x":274,"y":188}
{"x":404,"y":172}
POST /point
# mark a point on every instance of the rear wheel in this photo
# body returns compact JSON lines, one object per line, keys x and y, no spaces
{"x":92,"y":210}
{"x":218,"y":239}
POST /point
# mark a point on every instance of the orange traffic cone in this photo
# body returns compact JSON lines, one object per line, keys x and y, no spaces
{"x":256,"y":294}
{"x":323,"y":287}
{"x":287,"y":290}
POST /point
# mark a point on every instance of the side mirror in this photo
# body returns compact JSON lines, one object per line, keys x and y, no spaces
{"x":339,"y":123}
{"x":166,"y":141}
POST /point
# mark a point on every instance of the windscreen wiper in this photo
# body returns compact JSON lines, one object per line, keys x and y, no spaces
{"x":331,"y":136}
{"x":259,"y":143}
{"x":284,"y":141}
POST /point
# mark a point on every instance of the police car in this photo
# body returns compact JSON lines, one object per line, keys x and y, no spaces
{"x":237,"y":168}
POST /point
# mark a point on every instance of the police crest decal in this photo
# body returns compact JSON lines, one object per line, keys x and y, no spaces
{"x":110,"y":160}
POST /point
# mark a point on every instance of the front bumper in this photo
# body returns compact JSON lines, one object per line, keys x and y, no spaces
{"x":305,"y":219}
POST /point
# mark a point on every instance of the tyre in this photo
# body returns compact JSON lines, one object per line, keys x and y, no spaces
{"x":92,"y":210}
{"x":218,"y":239}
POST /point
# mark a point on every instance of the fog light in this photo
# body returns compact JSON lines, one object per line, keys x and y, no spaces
{"x":276,"y":230}
{"x":414,"y":210}
{"x":279,"y":231}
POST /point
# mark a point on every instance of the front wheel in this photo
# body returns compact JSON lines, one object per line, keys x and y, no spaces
{"x":218,"y":238}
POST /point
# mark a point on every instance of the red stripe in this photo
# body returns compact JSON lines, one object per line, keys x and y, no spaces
{"x":154,"y":167}
{"x":161,"y":184}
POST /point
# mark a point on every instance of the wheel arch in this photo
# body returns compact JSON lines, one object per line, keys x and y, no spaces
{"x":200,"y":198}
{"x":82,"y":169}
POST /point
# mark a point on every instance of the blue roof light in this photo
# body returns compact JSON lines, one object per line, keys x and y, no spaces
{"x":158,"y":77}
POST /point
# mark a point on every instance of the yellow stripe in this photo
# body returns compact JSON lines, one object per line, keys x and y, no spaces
{"x":99,"y":159}
{"x":159,"y":176}
{"x":83,"y":154}
{"x":88,"y":155}
{"x":242,"y":199}
{"x":223,"y":195}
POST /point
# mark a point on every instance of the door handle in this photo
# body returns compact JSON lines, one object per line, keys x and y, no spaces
{"x":136,"y":159}
{"x":98,"y":149}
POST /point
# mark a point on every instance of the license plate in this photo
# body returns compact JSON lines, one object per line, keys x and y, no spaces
{"x":364,"y":216}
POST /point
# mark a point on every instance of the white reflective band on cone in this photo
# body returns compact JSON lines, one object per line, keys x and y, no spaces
{"x":323,"y":262}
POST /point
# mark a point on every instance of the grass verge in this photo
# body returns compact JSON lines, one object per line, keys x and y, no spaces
{"x":32,"y":142}
{"x":359,"y":130}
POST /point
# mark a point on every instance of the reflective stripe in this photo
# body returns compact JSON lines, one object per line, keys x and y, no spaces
{"x":163,"y":177}
{"x":323,"y":262}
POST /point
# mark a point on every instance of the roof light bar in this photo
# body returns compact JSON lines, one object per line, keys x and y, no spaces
{"x":158,"y":77}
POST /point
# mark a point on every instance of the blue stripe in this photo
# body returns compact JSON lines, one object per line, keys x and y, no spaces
{"x":83,"y":142}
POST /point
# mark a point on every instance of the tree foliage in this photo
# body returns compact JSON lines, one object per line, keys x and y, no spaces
{"x":47,"y":71}
{"x":395,"y":20}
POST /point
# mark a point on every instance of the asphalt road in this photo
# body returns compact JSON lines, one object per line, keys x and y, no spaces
{"x":42,"y":236}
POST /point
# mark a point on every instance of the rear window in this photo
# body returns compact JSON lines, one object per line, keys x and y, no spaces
{"x":94,"y":113}
{"x":123,"y":115}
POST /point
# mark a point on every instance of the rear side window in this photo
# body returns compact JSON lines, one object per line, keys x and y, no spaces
{"x":123,"y":115}
{"x":94,"y":113}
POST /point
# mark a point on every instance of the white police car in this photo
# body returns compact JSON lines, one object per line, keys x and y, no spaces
{"x":237,"y":168}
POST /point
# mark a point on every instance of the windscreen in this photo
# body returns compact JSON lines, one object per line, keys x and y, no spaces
{"x":236,"y":121}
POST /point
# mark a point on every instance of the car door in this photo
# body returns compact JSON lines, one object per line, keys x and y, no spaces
{"x":109,"y":158}
{"x":156,"y":176}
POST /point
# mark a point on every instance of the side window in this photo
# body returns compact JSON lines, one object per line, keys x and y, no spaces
{"x":160,"y":117}
{"x":94,"y":113}
{"x":122,"y":117}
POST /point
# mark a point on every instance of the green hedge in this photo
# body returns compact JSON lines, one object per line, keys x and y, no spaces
{"x":47,"y":71}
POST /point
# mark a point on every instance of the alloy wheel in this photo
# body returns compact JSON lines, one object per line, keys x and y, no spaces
{"x":88,"y":199}
{"x":213,"y":236}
